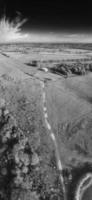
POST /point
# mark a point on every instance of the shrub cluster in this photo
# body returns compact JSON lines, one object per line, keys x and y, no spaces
{"x":75,"y":68}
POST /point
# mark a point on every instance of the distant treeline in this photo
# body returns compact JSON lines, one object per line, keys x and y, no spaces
{"x":87,"y":46}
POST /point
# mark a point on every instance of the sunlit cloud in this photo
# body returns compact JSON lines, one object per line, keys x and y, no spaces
{"x":11,"y":30}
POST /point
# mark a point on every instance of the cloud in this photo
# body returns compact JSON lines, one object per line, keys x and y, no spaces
{"x":11,"y":30}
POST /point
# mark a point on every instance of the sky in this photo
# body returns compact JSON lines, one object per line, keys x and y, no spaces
{"x":51,"y":20}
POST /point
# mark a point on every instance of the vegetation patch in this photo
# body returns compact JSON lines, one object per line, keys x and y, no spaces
{"x":27,"y":164}
{"x":73,"y":69}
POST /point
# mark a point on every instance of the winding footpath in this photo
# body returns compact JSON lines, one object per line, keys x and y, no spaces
{"x":51,"y":134}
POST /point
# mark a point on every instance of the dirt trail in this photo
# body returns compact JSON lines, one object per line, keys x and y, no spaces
{"x":51,"y":134}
